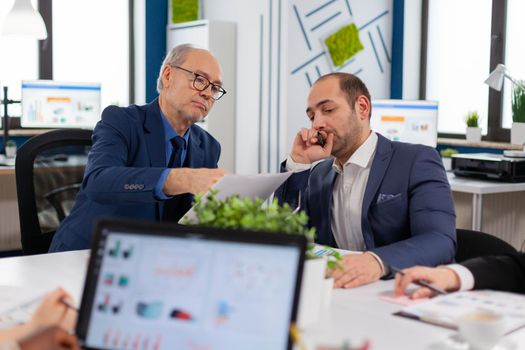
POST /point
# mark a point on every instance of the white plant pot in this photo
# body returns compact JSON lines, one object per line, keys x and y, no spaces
{"x":517,"y":134}
{"x":312,"y":296}
{"x":473,"y":134}
{"x":447,"y":163}
{"x":10,"y":151}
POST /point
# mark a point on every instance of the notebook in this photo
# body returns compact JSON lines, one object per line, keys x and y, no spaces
{"x":154,"y":286}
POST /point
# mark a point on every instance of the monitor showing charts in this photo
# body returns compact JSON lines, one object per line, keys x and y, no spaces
{"x":53,"y":104}
{"x":158,"y":286}
{"x":406,"y":121}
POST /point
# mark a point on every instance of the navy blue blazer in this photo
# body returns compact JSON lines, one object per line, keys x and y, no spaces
{"x":124,"y":165}
{"x":408,"y":214}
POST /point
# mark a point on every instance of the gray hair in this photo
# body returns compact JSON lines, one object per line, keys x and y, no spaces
{"x":175,"y":57}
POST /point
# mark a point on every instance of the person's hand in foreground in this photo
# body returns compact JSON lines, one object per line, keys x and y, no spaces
{"x":49,"y":338}
{"x":440,"y":277}
{"x":357,"y":269}
{"x":52,"y":312}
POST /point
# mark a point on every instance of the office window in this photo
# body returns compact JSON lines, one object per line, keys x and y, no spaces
{"x":514,"y":53}
{"x":458,"y":57}
{"x":18,"y":61}
{"x":91,"y":44}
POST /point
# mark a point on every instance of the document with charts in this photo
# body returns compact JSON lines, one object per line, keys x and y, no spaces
{"x":18,"y":304}
{"x":444,"y":310}
{"x":252,"y":186}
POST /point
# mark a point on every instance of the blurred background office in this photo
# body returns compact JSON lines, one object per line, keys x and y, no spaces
{"x":433,"y":55}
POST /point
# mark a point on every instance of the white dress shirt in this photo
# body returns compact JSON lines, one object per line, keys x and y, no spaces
{"x":347,"y":195}
{"x":466,"y":278}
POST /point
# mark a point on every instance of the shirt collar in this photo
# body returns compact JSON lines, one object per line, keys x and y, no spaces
{"x":170,"y":133}
{"x":363,"y":155}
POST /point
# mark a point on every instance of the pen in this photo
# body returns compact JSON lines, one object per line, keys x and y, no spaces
{"x":320,"y":139}
{"x":420,"y":282}
{"x":68,"y":305}
{"x":296,"y":336}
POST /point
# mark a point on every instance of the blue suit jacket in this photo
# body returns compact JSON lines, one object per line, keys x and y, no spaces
{"x":407,"y":214}
{"x":124,"y":165}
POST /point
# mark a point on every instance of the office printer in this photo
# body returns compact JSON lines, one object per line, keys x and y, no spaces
{"x":489,"y":166}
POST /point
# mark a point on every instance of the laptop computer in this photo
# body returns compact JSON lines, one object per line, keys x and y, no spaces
{"x":155,"y":286}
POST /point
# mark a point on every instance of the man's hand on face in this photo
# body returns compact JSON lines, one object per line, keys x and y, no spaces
{"x":357,"y":270}
{"x":52,"y":338}
{"x":188,"y":180}
{"x":306,"y":149}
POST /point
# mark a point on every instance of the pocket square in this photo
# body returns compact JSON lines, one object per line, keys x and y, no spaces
{"x":383,"y":197}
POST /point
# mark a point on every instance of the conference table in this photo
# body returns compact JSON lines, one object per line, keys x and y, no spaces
{"x":354,"y":315}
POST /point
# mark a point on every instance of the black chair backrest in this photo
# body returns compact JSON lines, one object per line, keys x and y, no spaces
{"x":472,"y":244}
{"x":49,"y":170}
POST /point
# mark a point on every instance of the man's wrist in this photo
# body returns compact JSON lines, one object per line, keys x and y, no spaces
{"x":377,"y":259}
{"x":464,"y":278}
{"x":292,"y":165}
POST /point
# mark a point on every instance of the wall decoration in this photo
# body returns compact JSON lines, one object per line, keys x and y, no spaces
{"x":184,"y":10}
{"x":353,"y":36}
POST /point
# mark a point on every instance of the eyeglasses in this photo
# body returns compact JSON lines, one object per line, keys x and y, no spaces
{"x":201,"y":83}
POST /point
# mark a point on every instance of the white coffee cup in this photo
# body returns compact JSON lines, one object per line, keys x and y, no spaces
{"x":482,"y":329}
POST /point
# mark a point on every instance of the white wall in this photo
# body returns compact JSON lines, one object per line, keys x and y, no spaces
{"x":412,"y":49}
{"x":266,"y":103}
{"x":140,"y":51}
{"x":248,"y":16}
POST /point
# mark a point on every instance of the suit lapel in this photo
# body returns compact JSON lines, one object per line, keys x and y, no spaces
{"x":154,"y":135}
{"x":328,"y":190}
{"x":377,"y":173}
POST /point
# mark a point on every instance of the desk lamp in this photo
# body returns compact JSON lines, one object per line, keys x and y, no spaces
{"x":22,"y":20}
{"x":495,"y":81}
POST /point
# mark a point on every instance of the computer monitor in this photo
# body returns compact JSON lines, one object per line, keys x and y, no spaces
{"x":53,"y":104}
{"x":406,"y":121}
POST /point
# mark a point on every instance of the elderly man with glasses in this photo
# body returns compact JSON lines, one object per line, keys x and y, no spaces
{"x":148,"y":161}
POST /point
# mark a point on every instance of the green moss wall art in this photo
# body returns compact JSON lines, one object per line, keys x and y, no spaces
{"x":343,"y":44}
{"x":184,"y":10}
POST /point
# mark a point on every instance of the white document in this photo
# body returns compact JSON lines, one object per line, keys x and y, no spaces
{"x":321,"y":250}
{"x":444,"y":310}
{"x":252,"y":186}
{"x":17,"y":304}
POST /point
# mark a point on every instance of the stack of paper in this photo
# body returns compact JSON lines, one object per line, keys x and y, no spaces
{"x":444,"y":310}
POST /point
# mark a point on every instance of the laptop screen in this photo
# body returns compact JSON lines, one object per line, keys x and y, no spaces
{"x":187,"y":288}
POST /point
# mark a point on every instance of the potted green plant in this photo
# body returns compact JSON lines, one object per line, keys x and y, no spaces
{"x":446,"y":157}
{"x":517,"y":132}
{"x":251,"y":214}
{"x":473,"y":133}
{"x":10,"y":149}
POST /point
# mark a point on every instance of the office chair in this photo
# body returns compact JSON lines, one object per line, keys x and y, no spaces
{"x":472,"y":244}
{"x":49,"y":170}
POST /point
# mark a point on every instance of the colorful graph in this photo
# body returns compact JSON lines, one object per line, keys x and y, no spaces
{"x":118,"y":339}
